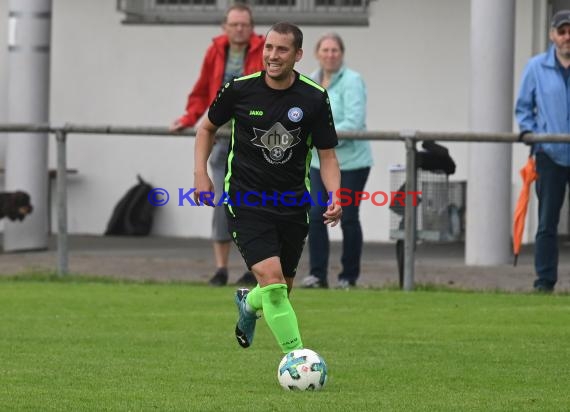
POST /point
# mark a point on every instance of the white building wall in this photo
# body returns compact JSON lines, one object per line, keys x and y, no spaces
{"x":414,"y":57}
{"x":3,"y":86}
{"x":3,"y":69}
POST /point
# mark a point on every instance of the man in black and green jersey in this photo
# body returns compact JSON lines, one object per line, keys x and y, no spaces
{"x":277,"y":115}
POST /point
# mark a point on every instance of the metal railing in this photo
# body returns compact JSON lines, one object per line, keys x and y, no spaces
{"x":409,"y":137}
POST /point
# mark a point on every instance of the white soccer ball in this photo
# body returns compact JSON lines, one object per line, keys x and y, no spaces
{"x":302,"y":369}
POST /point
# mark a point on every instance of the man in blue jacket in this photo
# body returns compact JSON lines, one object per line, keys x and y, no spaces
{"x":543,"y":106}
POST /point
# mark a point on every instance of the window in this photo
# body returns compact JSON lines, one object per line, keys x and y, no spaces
{"x":302,"y":12}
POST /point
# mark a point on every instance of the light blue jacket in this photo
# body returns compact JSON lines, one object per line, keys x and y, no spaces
{"x":543,"y":105}
{"x":347,"y":94}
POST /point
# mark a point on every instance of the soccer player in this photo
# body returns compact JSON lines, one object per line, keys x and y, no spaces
{"x":277,"y":116}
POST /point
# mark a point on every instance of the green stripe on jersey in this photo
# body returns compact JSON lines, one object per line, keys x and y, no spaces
{"x":229,"y":160}
{"x":311,"y":82}
{"x":249,"y":76}
{"x":308,"y":163}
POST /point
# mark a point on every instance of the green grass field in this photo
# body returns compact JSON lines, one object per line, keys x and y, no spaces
{"x":112,"y":346}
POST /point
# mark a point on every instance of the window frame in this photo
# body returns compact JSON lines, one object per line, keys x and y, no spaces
{"x":303,"y":12}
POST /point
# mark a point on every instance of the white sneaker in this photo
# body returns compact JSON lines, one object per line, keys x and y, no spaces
{"x":312,"y":281}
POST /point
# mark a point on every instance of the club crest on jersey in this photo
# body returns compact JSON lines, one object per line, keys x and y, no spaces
{"x":276,"y":142}
{"x":295,"y":114}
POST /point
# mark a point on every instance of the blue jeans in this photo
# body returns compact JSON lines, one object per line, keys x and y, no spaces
{"x":350,"y":225}
{"x":550,"y":189}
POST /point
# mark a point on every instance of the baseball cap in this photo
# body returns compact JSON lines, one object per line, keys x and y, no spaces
{"x":560,"y":18}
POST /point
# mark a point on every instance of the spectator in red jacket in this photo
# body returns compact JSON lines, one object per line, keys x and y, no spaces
{"x":235,"y":53}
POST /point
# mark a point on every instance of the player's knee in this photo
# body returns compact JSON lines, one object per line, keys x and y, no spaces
{"x":268,"y":272}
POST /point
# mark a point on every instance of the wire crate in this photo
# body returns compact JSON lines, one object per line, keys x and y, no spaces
{"x":441,"y":207}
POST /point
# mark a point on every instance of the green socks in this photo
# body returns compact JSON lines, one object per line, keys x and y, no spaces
{"x":253,"y":299}
{"x":279,"y":314}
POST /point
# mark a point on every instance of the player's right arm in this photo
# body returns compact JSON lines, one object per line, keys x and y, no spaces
{"x":220,"y":113}
{"x":202,"y":149}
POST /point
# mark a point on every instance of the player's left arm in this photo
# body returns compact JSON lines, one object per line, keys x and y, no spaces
{"x":330,"y":174}
{"x":220,"y":112}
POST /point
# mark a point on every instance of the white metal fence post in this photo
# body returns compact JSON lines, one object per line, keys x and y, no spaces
{"x":410,"y":215}
{"x":62,"y":244}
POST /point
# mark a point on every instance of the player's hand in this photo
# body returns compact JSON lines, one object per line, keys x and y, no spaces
{"x":204,"y":193}
{"x":333,"y":214}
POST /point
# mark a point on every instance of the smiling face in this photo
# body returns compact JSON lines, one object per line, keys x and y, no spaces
{"x":330,"y":55}
{"x":279,"y":58}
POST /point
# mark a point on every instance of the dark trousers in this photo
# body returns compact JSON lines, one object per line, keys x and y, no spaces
{"x":550,"y":189}
{"x":350,"y":226}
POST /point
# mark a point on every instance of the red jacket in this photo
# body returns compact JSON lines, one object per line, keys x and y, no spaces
{"x":212,"y":75}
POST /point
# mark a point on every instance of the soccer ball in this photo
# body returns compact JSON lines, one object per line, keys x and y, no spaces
{"x":302,"y":369}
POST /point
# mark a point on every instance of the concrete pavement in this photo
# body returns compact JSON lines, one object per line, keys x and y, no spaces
{"x":183,"y":259}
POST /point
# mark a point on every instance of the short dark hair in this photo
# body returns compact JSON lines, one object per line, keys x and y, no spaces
{"x":239,"y":7}
{"x":284,"y":27}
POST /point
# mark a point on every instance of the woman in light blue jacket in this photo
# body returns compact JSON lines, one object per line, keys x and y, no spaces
{"x":347,"y":93}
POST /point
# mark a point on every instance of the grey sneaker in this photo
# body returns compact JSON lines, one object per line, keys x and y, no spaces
{"x":312,"y":281}
{"x":343,"y":284}
{"x":245,"y":327}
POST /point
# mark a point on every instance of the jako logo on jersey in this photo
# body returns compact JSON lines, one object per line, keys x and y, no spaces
{"x":256,"y":112}
{"x":295,"y":114}
{"x":276,"y":142}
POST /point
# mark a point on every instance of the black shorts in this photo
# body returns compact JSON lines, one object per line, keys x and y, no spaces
{"x":260,"y":235}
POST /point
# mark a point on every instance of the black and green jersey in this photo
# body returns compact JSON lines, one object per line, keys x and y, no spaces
{"x":273,"y":132}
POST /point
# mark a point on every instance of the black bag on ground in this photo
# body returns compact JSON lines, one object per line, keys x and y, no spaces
{"x":133,"y":215}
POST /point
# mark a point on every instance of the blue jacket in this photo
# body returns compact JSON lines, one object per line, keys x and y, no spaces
{"x":347,"y":94}
{"x":543,"y":105}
